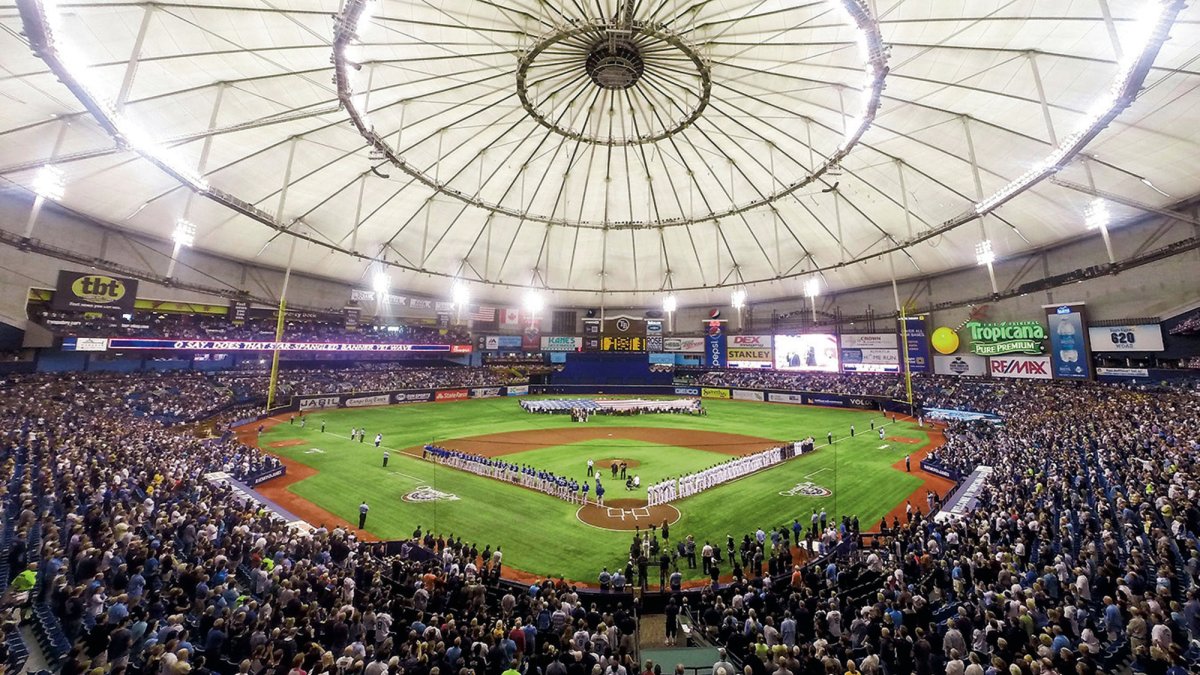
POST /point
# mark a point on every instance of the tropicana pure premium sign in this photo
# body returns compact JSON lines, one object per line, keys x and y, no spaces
{"x":1007,"y":337}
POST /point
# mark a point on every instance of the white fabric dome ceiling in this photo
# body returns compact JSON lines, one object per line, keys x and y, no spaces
{"x":673,"y":149}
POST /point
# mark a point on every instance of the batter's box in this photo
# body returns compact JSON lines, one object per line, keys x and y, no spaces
{"x":634,"y":514}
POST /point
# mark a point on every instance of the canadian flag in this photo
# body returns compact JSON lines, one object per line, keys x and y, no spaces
{"x":510,"y":317}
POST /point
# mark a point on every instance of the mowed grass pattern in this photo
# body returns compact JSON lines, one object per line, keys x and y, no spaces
{"x":541,"y":534}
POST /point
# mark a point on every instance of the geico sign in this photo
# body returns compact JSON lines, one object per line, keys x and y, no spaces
{"x":750,"y":340}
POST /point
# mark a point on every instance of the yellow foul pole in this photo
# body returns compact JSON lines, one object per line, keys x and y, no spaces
{"x":287,"y":276}
{"x":907,"y":364}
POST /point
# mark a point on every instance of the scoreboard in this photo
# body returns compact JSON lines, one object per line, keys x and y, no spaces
{"x":622,"y":343}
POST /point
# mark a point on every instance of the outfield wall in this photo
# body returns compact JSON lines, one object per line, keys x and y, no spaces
{"x":364,"y":399}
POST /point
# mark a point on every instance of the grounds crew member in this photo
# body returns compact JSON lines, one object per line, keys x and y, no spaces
{"x":362,"y":514}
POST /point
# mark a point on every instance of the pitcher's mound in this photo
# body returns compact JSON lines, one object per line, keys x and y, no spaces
{"x":627,"y":514}
{"x":606,"y":464}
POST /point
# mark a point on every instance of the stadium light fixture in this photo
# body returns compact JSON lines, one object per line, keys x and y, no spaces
{"x":984,"y":255}
{"x":49,"y":183}
{"x":1096,"y":215}
{"x":669,"y":305}
{"x":738,"y":300}
{"x":381,"y":283}
{"x":460,"y":295}
{"x":534,"y":302}
{"x":185,"y":233}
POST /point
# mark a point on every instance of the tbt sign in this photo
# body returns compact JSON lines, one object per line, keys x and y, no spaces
{"x":1007,"y":337}
{"x":77,"y":291}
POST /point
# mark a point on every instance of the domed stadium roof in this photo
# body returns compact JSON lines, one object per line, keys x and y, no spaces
{"x":624,"y":147}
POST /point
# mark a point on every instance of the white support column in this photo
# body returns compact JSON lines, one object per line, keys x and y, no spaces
{"x":904,"y":198}
{"x":1112,"y":30}
{"x":1108,"y":247}
{"x":135,"y":55}
{"x":200,"y":167}
{"x":1037,"y":80}
{"x":362,"y":185}
{"x":966,"y":122}
{"x":38,"y":200}
{"x":892,"y":271}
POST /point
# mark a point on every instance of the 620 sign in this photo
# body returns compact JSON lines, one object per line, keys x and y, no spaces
{"x":1122,"y":338}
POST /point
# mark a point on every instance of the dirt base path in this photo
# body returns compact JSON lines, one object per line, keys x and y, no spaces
{"x":510,"y":442}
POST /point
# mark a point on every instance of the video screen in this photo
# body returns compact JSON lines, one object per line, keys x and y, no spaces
{"x":817,"y":352}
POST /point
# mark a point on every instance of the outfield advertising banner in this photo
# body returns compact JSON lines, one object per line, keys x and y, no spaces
{"x":714,"y":346}
{"x":870,"y":360}
{"x":319,"y":402}
{"x":365,"y":401}
{"x":561,"y":343}
{"x":869,"y":341}
{"x":487,"y":392}
{"x":90,"y":292}
{"x":451,"y":395}
{"x":494,"y":342}
{"x":918,"y":344}
{"x":816,"y":352}
{"x":747,"y":395}
{"x":1070,"y":357}
{"x":519,"y":390}
{"x":1024,"y":367}
{"x":134,"y":344}
{"x":1145,"y":337}
{"x":749,"y":351}
{"x":413,"y":396}
{"x":713,"y":392}
{"x":1123,"y":372}
{"x":687,"y":344}
{"x":839,"y":401}
{"x":687,"y":391}
{"x":967,"y":365}
{"x":774,"y":397}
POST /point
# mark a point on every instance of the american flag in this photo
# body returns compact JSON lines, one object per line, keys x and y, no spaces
{"x":483,"y":313}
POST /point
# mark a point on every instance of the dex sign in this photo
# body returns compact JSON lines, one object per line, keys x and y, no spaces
{"x":1008,"y":337}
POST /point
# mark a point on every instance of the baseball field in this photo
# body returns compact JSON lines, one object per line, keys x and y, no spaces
{"x":329,"y":475}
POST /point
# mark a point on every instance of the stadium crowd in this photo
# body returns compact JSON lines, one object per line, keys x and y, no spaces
{"x":1082,"y":548}
{"x":130,"y":561}
{"x":1080,"y":555}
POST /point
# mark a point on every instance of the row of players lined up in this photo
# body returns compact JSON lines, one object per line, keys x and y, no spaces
{"x":693,"y":483}
{"x":567,"y":489}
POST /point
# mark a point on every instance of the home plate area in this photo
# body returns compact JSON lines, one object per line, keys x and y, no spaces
{"x":622,"y":514}
{"x":626,"y":514}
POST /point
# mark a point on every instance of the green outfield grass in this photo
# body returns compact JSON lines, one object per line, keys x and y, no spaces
{"x":541,"y":534}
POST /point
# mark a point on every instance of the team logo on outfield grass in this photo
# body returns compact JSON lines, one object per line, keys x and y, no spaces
{"x":427,"y":494}
{"x":807,"y":489}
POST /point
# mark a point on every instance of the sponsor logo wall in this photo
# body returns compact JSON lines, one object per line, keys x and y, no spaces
{"x":561,"y":343}
{"x":486,"y":392}
{"x":687,"y":344}
{"x":1026,"y":367}
{"x":522,"y":390}
{"x":687,"y":391}
{"x":1140,"y":338}
{"x":960,"y":364}
{"x":1070,"y":357}
{"x":797,"y":399}
{"x":495,"y":342}
{"x":413,"y":396}
{"x":747,"y":395}
{"x":712,"y":392}
{"x":77,"y":291}
{"x":451,"y":395}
